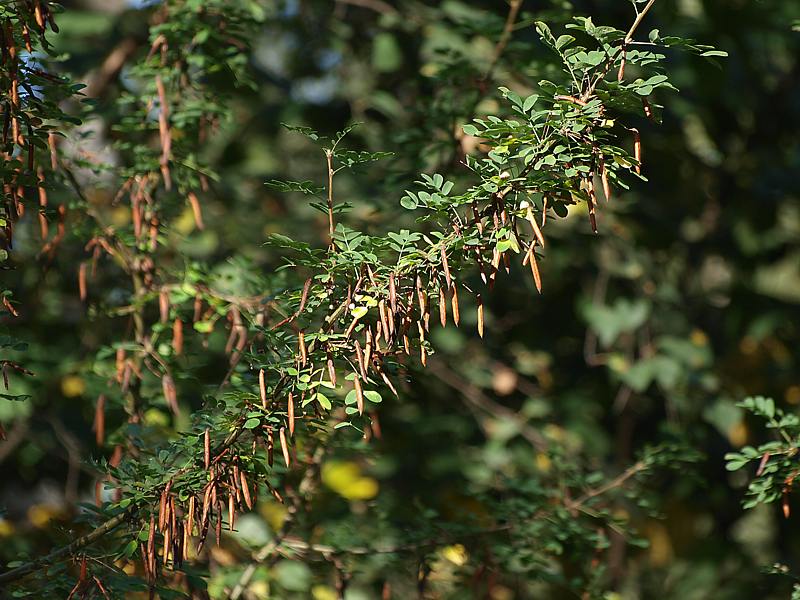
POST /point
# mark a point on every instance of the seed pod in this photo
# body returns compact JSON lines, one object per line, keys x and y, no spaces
{"x":392,"y":294}
{"x":368,"y":349}
{"x":604,"y":179}
{"x":163,"y":305}
{"x":100,"y":420}
{"x":301,"y":342}
{"x":231,"y":512}
{"x":196,"y":210}
{"x":420,"y":295}
{"x":270,"y":446}
{"x":262,"y":388}
{"x":284,"y":446}
{"x":637,"y":149}
{"x":246,"y":491}
{"x":535,"y":269}
{"x":535,"y":226}
{"x":43,"y":227}
{"x":360,"y":359}
{"x":290,"y":413}
{"x":177,"y":336}
{"x":407,"y":345}
{"x":190,"y":523}
{"x":592,"y":203}
{"x":359,"y":394}
{"x":384,"y":320}
{"x":331,"y":369}
{"x":621,"y":72}
{"x":82,"y":281}
{"x":445,"y":266}
{"x":454,"y":304}
{"x":785,"y":504}
{"x":170,"y":393}
{"x":480,"y":315}
{"x":206,"y":449}
{"x":151,"y":544}
{"x":442,"y":306}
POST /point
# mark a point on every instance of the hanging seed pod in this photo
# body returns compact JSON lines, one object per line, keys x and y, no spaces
{"x":388,"y":383}
{"x":218,"y":525}
{"x":270,"y":446}
{"x":82,"y":281}
{"x":368,"y":348}
{"x":384,"y":319}
{"x":331,"y":369}
{"x":153,"y":234}
{"x":420,"y":295}
{"x":151,"y":544}
{"x":262,"y":388}
{"x":407,"y":345}
{"x":163,"y":305}
{"x":246,"y":491}
{"x":100,"y":420}
{"x":197,"y":212}
{"x":360,"y":359}
{"x":191,"y":510}
{"x":392,"y":294}
{"x":535,"y":269}
{"x":454,"y":305}
{"x":177,"y":336}
{"x":359,"y":395}
{"x":290,"y":413}
{"x":621,"y":72}
{"x":637,"y":149}
{"x":206,"y":449}
{"x":442,"y":307}
{"x":480,"y":315}
{"x":604,"y":180}
{"x":231,"y":512}
{"x":535,"y":226}
{"x":170,"y":394}
{"x":592,"y":203}
{"x":43,"y":228}
{"x":284,"y":445}
{"x":446,"y":267}
{"x":301,"y":342}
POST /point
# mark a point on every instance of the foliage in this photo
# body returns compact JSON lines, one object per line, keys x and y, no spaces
{"x":253,"y":353}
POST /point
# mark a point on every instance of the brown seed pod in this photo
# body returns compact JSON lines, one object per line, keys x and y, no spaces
{"x":479,"y":298}
{"x":535,"y":269}
{"x":191,"y":510}
{"x":290,"y":413}
{"x":100,"y":419}
{"x":206,"y":449}
{"x":446,"y":267}
{"x":82,"y":281}
{"x":535,"y":226}
{"x":301,"y":342}
{"x":392,"y":294}
{"x":163,"y":305}
{"x":270,"y":446}
{"x":454,"y":305}
{"x":360,"y":359}
{"x":359,"y":394}
{"x":246,"y":490}
{"x":621,"y":72}
{"x":592,"y":202}
{"x":604,"y":179}
{"x":637,"y":149}
{"x":197,"y":212}
{"x":284,"y":445}
{"x":262,"y":388}
{"x":170,"y":393}
{"x":177,"y":336}
{"x":442,"y":306}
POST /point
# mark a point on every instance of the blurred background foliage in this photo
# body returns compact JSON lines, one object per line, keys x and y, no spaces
{"x":686,"y":302}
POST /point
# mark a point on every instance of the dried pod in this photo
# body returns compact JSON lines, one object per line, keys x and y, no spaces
{"x":359,"y":394}
{"x":442,"y":306}
{"x":301,"y":343}
{"x":637,"y":149}
{"x":290,"y":413}
{"x":163,"y":305}
{"x":392,"y":294}
{"x":206,"y":449}
{"x":246,"y":490}
{"x":479,"y":299}
{"x":177,"y":336}
{"x":262,"y":388}
{"x":592,"y":202}
{"x":284,"y":445}
{"x":535,"y":269}
{"x":170,"y":393}
{"x":446,"y":267}
{"x":100,"y":419}
{"x":621,"y":72}
{"x":82,"y":281}
{"x":197,"y":212}
{"x":604,"y":179}
{"x":454,"y":305}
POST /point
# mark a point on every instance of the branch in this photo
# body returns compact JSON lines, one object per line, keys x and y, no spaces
{"x":67,"y":550}
{"x":508,"y":28}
